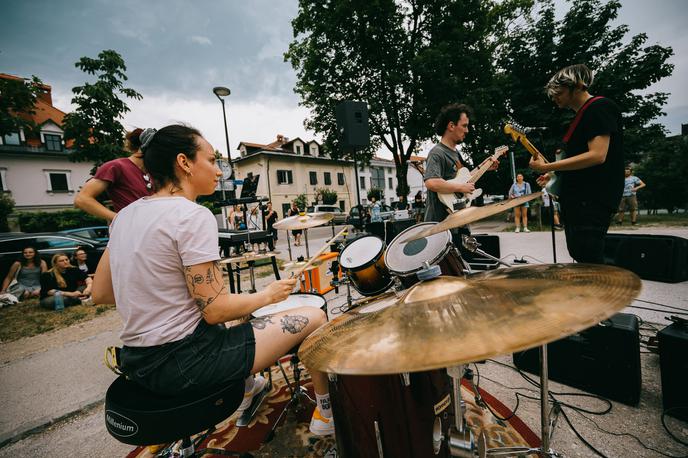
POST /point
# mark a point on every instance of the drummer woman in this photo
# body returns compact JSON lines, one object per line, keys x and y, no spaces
{"x":161,"y":269}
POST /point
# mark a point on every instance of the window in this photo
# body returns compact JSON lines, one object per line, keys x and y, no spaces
{"x":377,"y":177}
{"x":340,"y":179}
{"x":328,"y":178}
{"x":313,"y":177}
{"x":314,"y":150}
{"x":285,"y":209}
{"x":362,"y":182}
{"x":298,"y":149}
{"x":391,"y":183}
{"x":58,"y":180}
{"x":12,"y":139}
{"x":341,"y":205}
{"x":284,"y":177}
{"x":53,"y":142}
{"x":3,"y":180}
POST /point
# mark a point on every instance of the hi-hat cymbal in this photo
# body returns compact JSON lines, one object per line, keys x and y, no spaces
{"x":472,"y":214}
{"x":452,"y":320}
{"x":305,"y":221}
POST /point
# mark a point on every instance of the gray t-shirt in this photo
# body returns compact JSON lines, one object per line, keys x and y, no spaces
{"x":442,"y":162}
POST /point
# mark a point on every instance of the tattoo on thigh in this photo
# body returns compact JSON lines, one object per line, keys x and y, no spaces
{"x":261,"y":322}
{"x":293,"y":323}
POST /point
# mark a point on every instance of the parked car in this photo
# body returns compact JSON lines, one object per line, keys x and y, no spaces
{"x":47,"y":243}
{"x":99,"y":233}
{"x":339,"y":215}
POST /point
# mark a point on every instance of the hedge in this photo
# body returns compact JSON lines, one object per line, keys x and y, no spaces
{"x":57,"y":221}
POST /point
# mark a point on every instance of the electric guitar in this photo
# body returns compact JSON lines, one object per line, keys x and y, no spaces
{"x":456,"y":200}
{"x":518,"y":134}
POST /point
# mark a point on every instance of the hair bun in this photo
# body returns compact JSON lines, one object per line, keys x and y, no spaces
{"x":146,"y":137}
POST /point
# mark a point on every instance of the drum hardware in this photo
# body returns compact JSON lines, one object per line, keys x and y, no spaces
{"x":405,"y":378}
{"x":378,"y":439}
{"x":471,"y":244}
{"x":308,"y":255}
{"x":470,"y":215}
{"x":460,"y":438}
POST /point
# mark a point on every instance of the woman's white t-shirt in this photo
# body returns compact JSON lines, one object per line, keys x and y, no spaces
{"x":151,"y":241}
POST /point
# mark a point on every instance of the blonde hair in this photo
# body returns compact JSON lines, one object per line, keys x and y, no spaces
{"x":56,"y":272}
{"x":573,"y":76}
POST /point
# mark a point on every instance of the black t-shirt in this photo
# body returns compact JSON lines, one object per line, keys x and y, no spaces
{"x":72,"y":277}
{"x":601,"y":183}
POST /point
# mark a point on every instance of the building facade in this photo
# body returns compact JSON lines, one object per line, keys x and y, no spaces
{"x":35,"y":169}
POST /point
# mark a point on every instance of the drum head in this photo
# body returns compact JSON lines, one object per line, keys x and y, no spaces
{"x":405,"y":258}
{"x":294,"y":300}
{"x":360,"y":252}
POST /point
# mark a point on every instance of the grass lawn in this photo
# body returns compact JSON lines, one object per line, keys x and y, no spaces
{"x":28,"y":319}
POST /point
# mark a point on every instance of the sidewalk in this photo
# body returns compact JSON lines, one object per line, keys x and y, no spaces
{"x":56,"y":375}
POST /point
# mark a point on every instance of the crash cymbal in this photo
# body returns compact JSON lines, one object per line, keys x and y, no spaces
{"x":472,"y":214}
{"x":452,"y":320}
{"x":304,"y":221}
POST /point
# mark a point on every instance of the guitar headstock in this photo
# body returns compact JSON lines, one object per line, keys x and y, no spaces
{"x":500,"y":150}
{"x":516,"y":131}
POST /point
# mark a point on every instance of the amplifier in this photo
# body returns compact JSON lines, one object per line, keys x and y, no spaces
{"x":604,"y":359}
{"x":389,"y":229}
{"x":652,"y":257}
{"x":673,"y":348}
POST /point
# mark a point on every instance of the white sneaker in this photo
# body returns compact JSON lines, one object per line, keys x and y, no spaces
{"x":258,"y":385}
{"x":321,"y":426}
{"x":518,"y":229}
{"x":525,"y":229}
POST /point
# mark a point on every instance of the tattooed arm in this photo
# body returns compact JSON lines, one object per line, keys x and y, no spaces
{"x":207,"y":287}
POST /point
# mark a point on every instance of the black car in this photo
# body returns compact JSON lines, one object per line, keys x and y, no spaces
{"x":47,"y":243}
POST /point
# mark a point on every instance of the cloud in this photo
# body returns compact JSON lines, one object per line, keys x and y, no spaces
{"x":201,"y":40}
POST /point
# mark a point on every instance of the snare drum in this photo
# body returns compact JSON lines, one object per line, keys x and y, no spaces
{"x":294,"y":300}
{"x":363,"y":260}
{"x":404,"y":260}
{"x":400,"y":415}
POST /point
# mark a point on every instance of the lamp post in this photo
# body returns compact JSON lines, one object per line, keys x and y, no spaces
{"x":221,"y":92}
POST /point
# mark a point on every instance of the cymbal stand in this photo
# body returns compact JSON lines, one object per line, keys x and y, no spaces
{"x":460,"y":440}
{"x":252,"y":276}
{"x":471,"y":244}
{"x":289,"y":245}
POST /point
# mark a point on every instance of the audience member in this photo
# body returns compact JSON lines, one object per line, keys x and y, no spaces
{"x":628,"y":199}
{"x":23,"y":280}
{"x":64,"y":278}
{"x":518,"y":189}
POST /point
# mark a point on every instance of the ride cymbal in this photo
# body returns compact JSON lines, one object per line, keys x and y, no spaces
{"x":472,"y":214}
{"x":452,"y":320}
{"x":304,"y":221}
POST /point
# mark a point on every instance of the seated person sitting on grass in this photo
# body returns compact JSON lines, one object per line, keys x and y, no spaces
{"x":27,"y":273}
{"x":65,"y":278}
{"x":79,"y":261}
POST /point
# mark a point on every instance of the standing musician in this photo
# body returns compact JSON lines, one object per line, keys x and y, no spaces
{"x":592,"y":174}
{"x":161,"y":269}
{"x":444,"y":161}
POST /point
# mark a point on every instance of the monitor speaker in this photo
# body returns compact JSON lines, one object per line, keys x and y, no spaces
{"x":652,"y":257}
{"x":352,"y":124}
{"x":673,"y":348}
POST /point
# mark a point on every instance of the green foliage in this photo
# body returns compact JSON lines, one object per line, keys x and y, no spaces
{"x":377,"y":193}
{"x":94,"y":125}
{"x":17,"y":96}
{"x":664,"y":169}
{"x":212,"y":206}
{"x":301,"y":202}
{"x":329,"y":196}
{"x":6,"y":207}
{"x":57,"y":221}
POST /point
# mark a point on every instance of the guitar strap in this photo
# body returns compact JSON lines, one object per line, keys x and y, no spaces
{"x":579,"y":115}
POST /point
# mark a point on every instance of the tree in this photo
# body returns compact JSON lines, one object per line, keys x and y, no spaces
{"x":405,"y":59}
{"x":301,"y":202}
{"x":542,"y":45}
{"x":664,"y":169}
{"x":6,"y":208}
{"x":378,"y":193}
{"x":94,"y":126}
{"x":17,"y":101}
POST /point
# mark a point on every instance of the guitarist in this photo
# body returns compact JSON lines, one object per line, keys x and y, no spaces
{"x":444,"y":161}
{"x":592,"y":174}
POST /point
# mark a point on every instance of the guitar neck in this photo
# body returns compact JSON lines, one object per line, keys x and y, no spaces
{"x":480,"y":171}
{"x":531,"y":148}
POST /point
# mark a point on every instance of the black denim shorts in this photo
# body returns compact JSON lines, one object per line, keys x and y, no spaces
{"x":210,"y":356}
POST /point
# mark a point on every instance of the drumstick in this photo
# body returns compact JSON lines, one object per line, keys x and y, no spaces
{"x":297,"y":273}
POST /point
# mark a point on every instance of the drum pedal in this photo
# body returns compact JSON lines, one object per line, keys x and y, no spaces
{"x":249,"y":413}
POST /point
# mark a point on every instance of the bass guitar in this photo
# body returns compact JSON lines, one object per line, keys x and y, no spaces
{"x":456,"y":200}
{"x":518,"y":134}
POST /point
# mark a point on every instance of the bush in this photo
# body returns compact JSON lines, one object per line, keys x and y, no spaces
{"x":377,"y":193}
{"x":57,"y":221}
{"x":301,"y":202}
{"x":329,"y":197}
{"x":6,"y":207}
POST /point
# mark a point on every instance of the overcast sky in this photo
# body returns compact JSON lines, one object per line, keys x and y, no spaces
{"x":176,"y":51}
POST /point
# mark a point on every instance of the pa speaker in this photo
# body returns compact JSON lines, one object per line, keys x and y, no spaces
{"x":604,"y":359}
{"x":352,"y":124}
{"x":673,"y":347}
{"x":651,"y":257}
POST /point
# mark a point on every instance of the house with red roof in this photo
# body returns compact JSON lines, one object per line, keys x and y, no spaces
{"x":34,"y":166}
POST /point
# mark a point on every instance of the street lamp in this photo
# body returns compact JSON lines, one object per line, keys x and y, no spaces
{"x":221,"y":92}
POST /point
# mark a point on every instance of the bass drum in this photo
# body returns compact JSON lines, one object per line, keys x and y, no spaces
{"x":404,"y":260}
{"x":363,"y":260}
{"x":397,"y":415}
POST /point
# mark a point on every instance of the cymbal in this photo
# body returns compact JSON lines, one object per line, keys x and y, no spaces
{"x":305,"y":221}
{"x":452,"y":320}
{"x":472,"y":214}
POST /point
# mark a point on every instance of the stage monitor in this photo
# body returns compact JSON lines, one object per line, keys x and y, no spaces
{"x":250,"y":186}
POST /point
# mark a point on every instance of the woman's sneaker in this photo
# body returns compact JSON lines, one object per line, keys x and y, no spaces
{"x":525,"y":229}
{"x":518,"y":229}
{"x":258,"y":386}
{"x":321,"y":426}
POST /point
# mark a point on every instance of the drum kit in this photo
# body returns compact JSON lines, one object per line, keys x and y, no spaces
{"x":396,"y":357}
